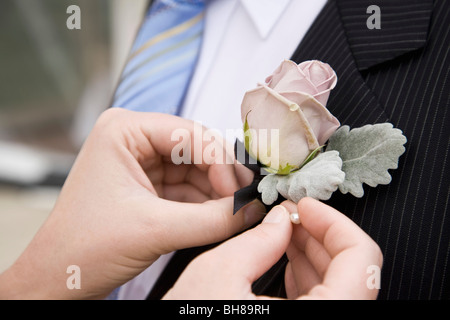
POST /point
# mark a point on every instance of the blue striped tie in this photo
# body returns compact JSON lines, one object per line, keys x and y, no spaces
{"x":162,"y":58}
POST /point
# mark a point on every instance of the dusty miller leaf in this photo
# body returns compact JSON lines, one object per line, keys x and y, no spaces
{"x":318,"y":179}
{"x":367,"y":154}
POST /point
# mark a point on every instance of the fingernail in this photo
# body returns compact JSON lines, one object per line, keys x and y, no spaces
{"x":275,"y":215}
{"x":295,"y":218}
{"x":253,"y":213}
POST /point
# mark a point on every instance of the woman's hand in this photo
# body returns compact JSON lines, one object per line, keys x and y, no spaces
{"x":328,"y":258}
{"x":119,"y":209}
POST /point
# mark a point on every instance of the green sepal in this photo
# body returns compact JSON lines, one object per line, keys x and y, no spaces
{"x":282,"y":171}
{"x":247,"y":136}
{"x":311,"y":156}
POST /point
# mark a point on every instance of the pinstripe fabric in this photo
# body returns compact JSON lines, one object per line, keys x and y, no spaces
{"x":418,"y":233}
{"x":401,"y":74}
{"x":398,"y":74}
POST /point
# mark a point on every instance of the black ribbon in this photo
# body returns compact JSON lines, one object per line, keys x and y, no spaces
{"x":249,"y":193}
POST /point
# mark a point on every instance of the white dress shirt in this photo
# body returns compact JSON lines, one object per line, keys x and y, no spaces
{"x":244,"y":42}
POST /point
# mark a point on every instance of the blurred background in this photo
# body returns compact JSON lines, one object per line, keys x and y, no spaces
{"x":54,"y":82}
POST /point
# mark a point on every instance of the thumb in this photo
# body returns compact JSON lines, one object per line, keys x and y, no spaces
{"x":254,"y":252}
{"x":188,"y":225}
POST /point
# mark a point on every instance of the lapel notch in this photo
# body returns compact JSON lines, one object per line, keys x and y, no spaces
{"x":403,"y":28}
{"x":351,"y":101}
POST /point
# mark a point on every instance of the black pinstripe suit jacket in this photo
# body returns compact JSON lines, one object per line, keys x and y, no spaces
{"x":400,"y":74}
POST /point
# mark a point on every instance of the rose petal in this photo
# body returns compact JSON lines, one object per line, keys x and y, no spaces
{"x":292,"y":101}
{"x":269,"y":110}
{"x":320,"y":119}
{"x":318,"y":73}
{"x":322,"y":96}
{"x":322,"y":76}
{"x":288,"y":77}
{"x":328,"y":84}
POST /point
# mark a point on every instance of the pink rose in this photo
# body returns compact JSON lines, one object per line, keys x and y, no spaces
{"x":292,"y":101}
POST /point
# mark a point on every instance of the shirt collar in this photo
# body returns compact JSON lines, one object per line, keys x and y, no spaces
{"x":264,"y":13}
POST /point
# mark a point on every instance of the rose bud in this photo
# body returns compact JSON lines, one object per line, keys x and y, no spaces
{"x":290,"y":106}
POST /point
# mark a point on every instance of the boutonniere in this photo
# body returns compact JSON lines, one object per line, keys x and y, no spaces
{"x":297,"y":148}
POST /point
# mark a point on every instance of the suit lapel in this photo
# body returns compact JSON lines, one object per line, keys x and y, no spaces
{"x":403,"y":28}
{"x":340,"y":37}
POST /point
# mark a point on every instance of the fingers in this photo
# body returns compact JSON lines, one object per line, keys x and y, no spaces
{"x":172,"y":136}
{"x":154,"y":137}
{"x":330,"y":227}
{"x":203,"y":223}
{"x":300,"y":275}
{"x":350,"y":249}
{"x":223,"y":179}
{"x":314,"y":252}
{"x":208,"y":151}
{"x":184,"y":173}
{"x":244,"y":175}
{"x":255,"y":251}
{"x":306,"y":265}
{"x":184,"y":193}
{"x":227,"y":271}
